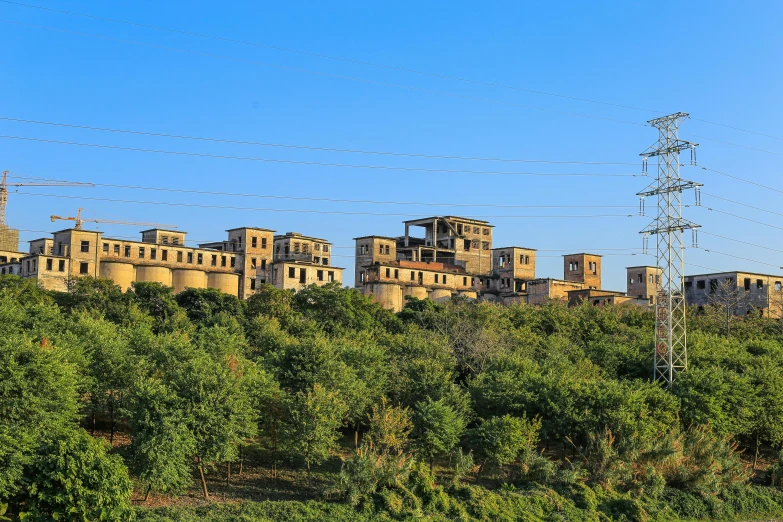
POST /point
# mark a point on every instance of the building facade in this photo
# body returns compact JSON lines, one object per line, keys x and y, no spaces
{"x":236,"y":266}
{"x":745,"y":291}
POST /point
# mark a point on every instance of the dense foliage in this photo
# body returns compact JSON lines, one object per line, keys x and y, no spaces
{"x":454,"y":411}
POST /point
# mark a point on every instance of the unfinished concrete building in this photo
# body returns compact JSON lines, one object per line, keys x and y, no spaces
{"x":642,"y":282}
{"x":744,"y":291}
{"x":236,"y":266}
{"x":455,"y":257}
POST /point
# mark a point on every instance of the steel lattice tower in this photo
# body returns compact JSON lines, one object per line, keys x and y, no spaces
{"x":671,"y":354}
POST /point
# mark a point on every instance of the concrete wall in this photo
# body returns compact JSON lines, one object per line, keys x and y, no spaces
{"x":122,"y":274}
{"x":539,"y":291}
{"x":759,"y":291}
{"x":303,"y":275}
{"x":184,"y":278}
{"x":156,"y":274}
{"x":577,"y":267}
{"x":643,"y":282}
{"x":226,"y":283}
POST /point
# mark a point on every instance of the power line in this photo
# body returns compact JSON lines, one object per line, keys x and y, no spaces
{"x":308,"y":147}
{"x":308,"y":211}
{"x":326,"y":74}
{"x":361,"y":62}
{"x":705,"y":267}
{"x":201,"y":241}
{"x":336,"y":58}
{"x":741,"y":179}
{"x":330,"y":200}
{"x":743,"y":242}
{"x":737,"y":145}
{"x":315,"y":163}
{"x":743,"y":204}
{"x":742,"y":258}
{"x":741,"y":217}
{"x":737,"y":128}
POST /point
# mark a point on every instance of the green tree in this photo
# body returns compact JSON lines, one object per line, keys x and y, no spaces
{"x":74,"y":478}
{"x":158,"y":301}
{"x":502,"y":440}
{"x":437,"y":428}
{"x":203,"y":304}
{"x":162,"y":445}
{"x":311,"y":425}
{"x":390,"y":427}
{"x":217,"y":407}
{"x":38,"y":395}
{"x":337,"y":308}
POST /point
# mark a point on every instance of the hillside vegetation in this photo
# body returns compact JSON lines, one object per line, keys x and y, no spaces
{"x":321,"y":405}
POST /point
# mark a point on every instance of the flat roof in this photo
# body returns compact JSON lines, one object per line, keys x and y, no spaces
{"x":541,"y":279}
{"x":307,"y":263}
{"x":251,"y":228}
{"x":471,"y":220}
{"x":77,"y":230}
{"x":582,"y":254}
{"x":642,"y":266}
{"x":736,"y":272}
{"x":597,"y":290}
{"x":518,"y":247}
{"x":297,"y":235}
{"x":164,"y":230}
{"x":378,"y":237}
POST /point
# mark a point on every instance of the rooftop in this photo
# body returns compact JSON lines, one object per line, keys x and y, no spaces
{"x":298,"y":235}
{"x":375,"y":237}
{"x":250,"y":228}
{"x":451,"y":218}
{"x":164,"y":230}
{"x":779,"y":276}
{"x":516,"y":247}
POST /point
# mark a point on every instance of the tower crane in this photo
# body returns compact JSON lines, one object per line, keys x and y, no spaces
{"x":80,"y":221}
{"x":4,"y":184}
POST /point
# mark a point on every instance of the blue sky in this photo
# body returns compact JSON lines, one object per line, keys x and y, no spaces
{"x":716,"y":60}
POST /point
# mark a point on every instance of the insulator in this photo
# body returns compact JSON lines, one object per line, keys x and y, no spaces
{"x":644,"y":167}
{"x":697,"y":195}
{"x":695,"y":237}
{"x":641,"y":206}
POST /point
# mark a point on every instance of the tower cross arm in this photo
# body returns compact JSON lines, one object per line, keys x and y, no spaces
{"x":677,"y":187}
{"x":676,"y":146}
{"x":676,"y":225}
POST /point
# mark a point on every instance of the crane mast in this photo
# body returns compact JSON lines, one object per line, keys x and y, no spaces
{"x":4,"y":184}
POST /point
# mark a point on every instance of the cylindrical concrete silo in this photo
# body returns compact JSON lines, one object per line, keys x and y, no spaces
{"x":183,"y":278}
{"x":226,"y":283}
{"x":157,"y":274}
{"x":440,"y":294}
{"x":122,"y":274}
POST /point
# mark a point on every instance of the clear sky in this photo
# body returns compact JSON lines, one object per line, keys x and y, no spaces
{"x":718,"y":60}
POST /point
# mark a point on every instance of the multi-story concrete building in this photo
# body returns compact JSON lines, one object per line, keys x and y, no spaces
{"x":642,"y":282}
{"x":583,"y":268}
{"x":9,"y":250}
{"x":299,"y":261}
{"x":455,"y":256}
{"x":235,"y":266}
{"x":751,"y":291}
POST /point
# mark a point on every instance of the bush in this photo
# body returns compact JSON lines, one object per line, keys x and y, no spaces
{"x":74,"y":478}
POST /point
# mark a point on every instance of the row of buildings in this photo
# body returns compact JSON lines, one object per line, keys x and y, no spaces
{"x":450,"y":256}
{"x":247,"y":258}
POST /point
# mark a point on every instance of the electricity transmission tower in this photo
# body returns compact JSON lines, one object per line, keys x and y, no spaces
{"x":671,"y":356}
